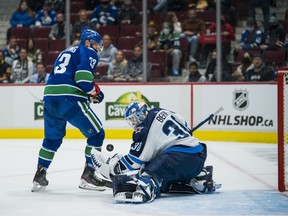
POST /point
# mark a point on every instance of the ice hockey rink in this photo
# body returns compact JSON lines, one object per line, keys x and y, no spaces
{"x":247,"y":171}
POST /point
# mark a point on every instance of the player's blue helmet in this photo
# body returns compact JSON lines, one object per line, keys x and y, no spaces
{"x":135,"y":113}
{"x":93,"y":37}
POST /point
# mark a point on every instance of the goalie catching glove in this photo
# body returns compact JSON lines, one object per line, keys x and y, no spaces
{"x":96,"y":95}
{"x":104,"y":165}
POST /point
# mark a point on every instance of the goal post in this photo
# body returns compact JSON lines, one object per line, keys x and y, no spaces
{"x":282,"y":102}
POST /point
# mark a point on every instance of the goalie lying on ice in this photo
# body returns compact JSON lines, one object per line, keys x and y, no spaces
{"x":164,"y":157}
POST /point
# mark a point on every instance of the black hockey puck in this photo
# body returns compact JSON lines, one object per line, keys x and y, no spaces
{"x":109,"y":147}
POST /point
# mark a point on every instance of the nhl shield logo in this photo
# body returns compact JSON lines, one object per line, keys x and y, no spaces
{"x":240,"y":100}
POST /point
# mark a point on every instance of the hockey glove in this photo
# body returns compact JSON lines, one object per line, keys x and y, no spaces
{"x":97,"y":95}
{"x":97,"y":98}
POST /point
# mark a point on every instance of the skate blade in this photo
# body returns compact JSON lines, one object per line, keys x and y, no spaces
{"x":87,"y":186}
{"x":129,"y":197}
{"x":37,"y":187}
{"x":217,"y":186}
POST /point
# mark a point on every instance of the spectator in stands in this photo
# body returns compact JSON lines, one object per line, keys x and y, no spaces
{"x":193,"y":28}
{"x":108,"y":52}
{"x":128,"y":13}
{"x":229,"y":12}
{"x":251,"y":38}
{"x":116,"y":68}
{"x":246,"y":64}
{"x":275,"y":36}
{"x":22,"y":17}
{"x":259,"y":72}
{"x":152,"y":36}
{"x":172,"y":18}
{"x":5,"y":69}
{"x":104,"y":14}
{"x":40,"y":76}
{"x":22,"y":68}
{"x":133,"y":69}
{"x":211,"y":71}
{"x":169,"y":42}
{"x":228,"y":35}
{"x":265,"y":6}
{"x":46,"y":16}
{"x":194,"y":74}
{"x":11,"y":51}
{"x":82,"y":24}
{"x":58,"y":30}
{"x":33,"y":54}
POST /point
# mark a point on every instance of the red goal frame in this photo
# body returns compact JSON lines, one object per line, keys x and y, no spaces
{"x":281,"y":133}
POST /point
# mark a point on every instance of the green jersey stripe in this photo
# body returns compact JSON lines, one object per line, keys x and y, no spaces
{"x":46,"y":155}
{"x":63,"y":90}
{"x":83,"y":75}
{"x":87,"y":112}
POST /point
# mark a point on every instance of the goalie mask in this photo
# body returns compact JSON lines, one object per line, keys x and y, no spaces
{"x":94,"y":38}
{"x":135,"y":113}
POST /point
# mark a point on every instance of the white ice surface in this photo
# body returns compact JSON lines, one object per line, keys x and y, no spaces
{"x":248,"y":173}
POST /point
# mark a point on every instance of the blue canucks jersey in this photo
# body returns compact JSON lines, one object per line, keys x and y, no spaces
{"x":251,"y":40}
{"x":162,"y":131}
{"x":72,"y":74}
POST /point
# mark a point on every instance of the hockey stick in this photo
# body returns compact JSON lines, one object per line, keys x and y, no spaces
{"x":38,"y":99}
{"x":207,"y":119}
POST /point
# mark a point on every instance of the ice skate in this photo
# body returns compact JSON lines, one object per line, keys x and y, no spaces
{"x":204,"y":181}
{"x":39,"y":181}
{"x":89,"y":181}
{"x":210,"y":184}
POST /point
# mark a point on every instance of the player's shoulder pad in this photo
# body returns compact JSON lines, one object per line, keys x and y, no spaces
{"x":152,"y":113}
{"x":88,"y":51}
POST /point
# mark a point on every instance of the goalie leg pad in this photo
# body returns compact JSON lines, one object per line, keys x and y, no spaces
{"x":123,"y":183}
{"x":134,"y":189}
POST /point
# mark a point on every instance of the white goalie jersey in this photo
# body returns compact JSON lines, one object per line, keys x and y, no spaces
{"x":161,"y":131}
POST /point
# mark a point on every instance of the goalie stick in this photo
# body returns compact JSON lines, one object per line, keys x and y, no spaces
{"x":206,"y":120}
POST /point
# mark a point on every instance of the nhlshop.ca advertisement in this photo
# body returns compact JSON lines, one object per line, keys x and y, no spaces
{"x":246,"y":107}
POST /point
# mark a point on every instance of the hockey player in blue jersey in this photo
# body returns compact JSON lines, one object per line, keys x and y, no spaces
{"x":164,"y":157}
{"x":66,"y":99}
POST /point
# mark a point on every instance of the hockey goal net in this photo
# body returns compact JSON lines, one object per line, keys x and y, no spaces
{"x":282,"y":79}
